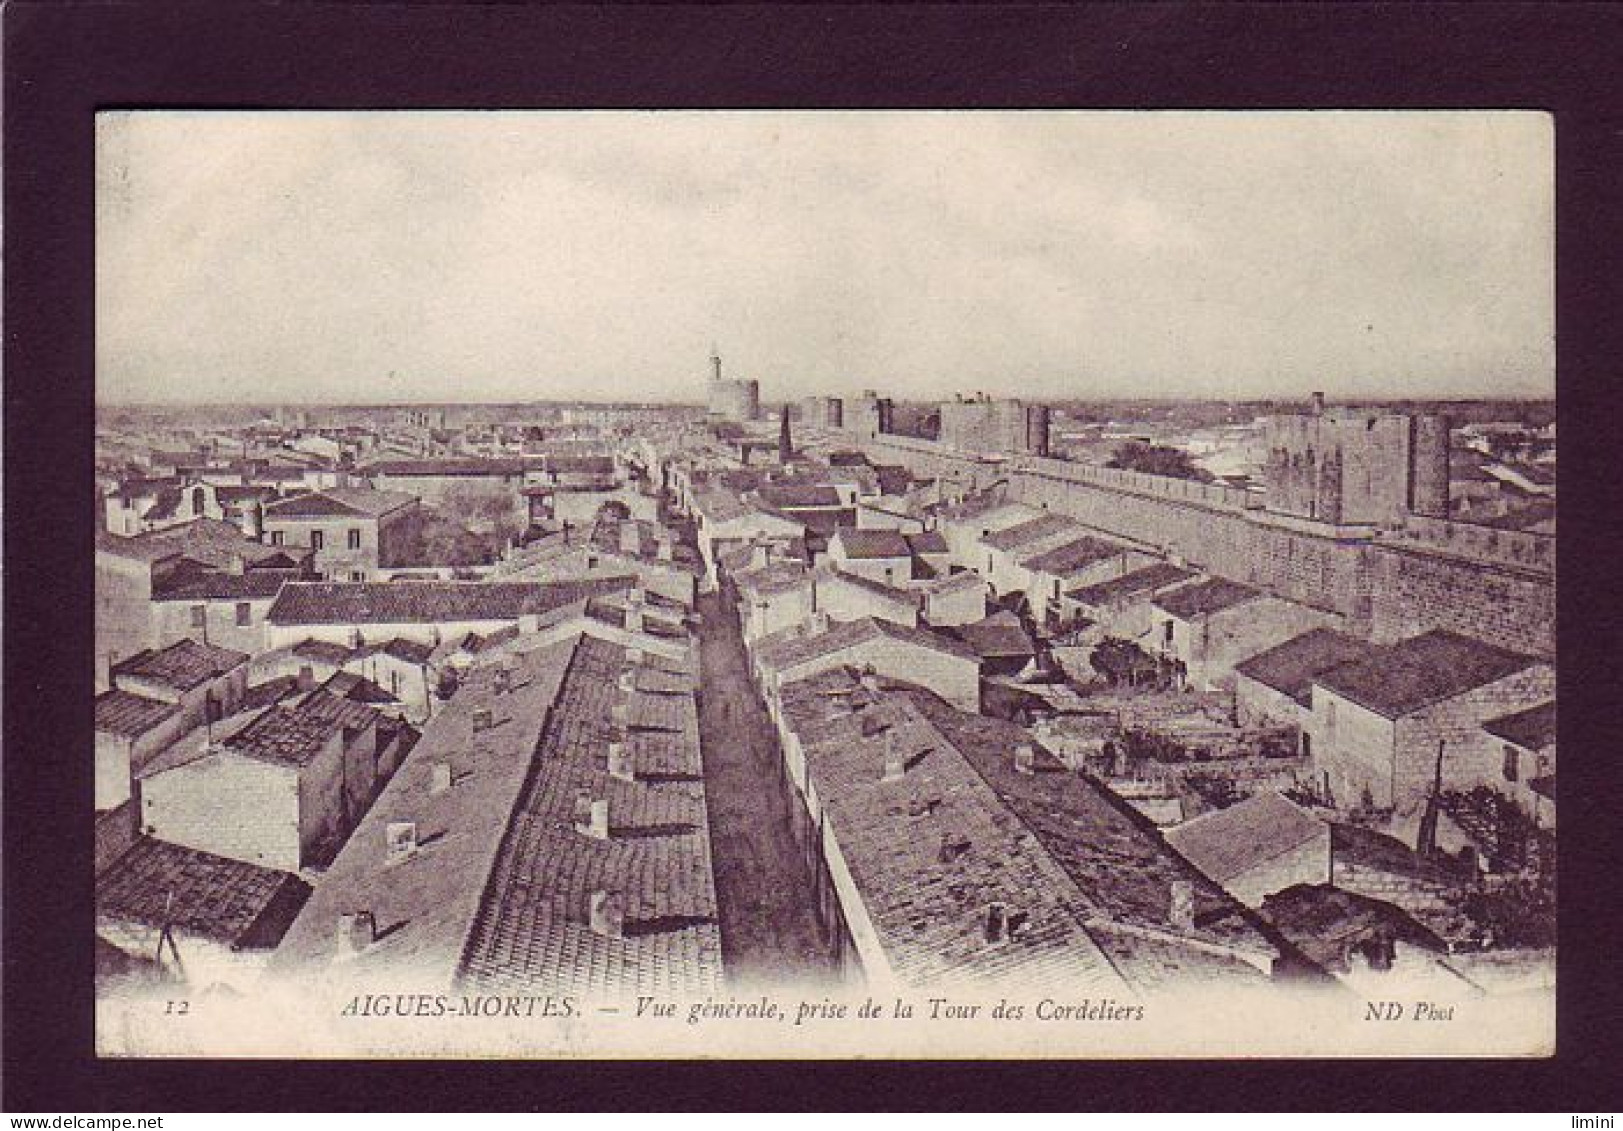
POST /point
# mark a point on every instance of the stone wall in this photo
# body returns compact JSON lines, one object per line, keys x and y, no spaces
{"x":1494,"y":585}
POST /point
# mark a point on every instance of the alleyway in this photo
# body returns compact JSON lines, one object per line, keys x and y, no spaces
{"x":769,"y":931}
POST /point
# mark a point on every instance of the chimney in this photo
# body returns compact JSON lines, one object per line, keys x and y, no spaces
{"x":636,"y":595}
{"x":895,"y":763}
{"x":996,"y":921}
{"x":869,"y":679}
{"x":503,"y":679}
{"x":1318,"y":404}
{"x":605,"y":913}
{"x":1025,"y":758}
{"x":634,"y":617}
{"x":400,"y":838}
{"x":634,"y":655}
{"x":817,"y":623}
{"x":357,"y":930}
{"x":481,"y":718}
{"x":307,"y":678}
{"x":620,"y":715}
{"x":1181,"y":913}
{"x":628,"y":680}
{"x":630,"y":538}
{"x":620,"y":765}
{"x":440,"y":777}
{"x":760,"y":555}
{"x":592,"y":815}
{"x":666,"y":551}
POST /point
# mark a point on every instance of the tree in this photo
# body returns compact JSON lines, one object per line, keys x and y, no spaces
{"x":1157,"y":459}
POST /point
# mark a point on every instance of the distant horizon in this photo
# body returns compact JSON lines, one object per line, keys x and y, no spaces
{"x":256,"y":254}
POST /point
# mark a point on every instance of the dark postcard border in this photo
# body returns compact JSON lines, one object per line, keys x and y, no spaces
{"x":63,"y":61}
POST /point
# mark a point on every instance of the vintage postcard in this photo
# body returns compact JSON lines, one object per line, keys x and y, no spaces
{"x":825,"y":584}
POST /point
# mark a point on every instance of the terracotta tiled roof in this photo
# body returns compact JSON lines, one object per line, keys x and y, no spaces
{"x":156,"y":884}
{"x":425,"y":602}
{"x":1532,"y":729}
{"x":129,"y":715}
{"x":1140,"y":582}
{"x":1227,"y":842}
{"x":212,"y":585}
{"x":1072,"y":556}
{"x":1026,"y":533}
{"x":183,"y":665}
{"x":859,"y":544}
{"x":791,"y":648}
{"x":1202,"y":598}
{"x":932,"y":851}
{"x":1414,"y":673}
{"x":339,"y":502}
{"x":1291,"y":667}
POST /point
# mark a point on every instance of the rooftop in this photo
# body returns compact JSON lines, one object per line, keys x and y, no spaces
{"x":998,"y":635}
{"x":426,"y":602}
{"x":129,"y":715}
{"x":183,"y":665}
{"x":1291,"y":667}
{"x":860,"y":544}
{"x":793,"y":647}
{"x":156,"y":884}
{"x":1029,"y":532}
{"x":1227,"y":842}
{"x":1139,"y":582}
{"x":933,"y":851}
{"x":1404,"y":677}
{"x":1202,"y":598}
{"x":340,"y":502}
{"x":1532,"y":729}
{"x":1072,"y":556}
{"x":213,"y":585}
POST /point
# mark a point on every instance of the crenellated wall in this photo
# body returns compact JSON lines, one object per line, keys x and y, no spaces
{"x":1495,"y":585}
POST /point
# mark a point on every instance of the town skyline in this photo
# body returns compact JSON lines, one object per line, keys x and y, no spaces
{"x":1233,"y":256}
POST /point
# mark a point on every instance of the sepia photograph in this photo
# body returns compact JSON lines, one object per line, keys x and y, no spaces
{"x":701,"y":584}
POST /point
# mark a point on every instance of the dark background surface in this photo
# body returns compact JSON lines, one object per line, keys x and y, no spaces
{"x":62,"y":62}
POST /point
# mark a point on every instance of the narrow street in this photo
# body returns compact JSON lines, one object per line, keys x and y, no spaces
{"x":769,"y":930}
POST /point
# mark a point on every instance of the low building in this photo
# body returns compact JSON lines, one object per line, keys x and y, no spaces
{"x":1001,"y":643}
{"x":282,"y":792}
{"x":1121,"y":606}
{"x":878,"y":555}
{"x":952,"y":599}
{"x":1207,"y":627}
{"x":947,"y":665}
{"x":131,"y":730}
{"x":204,"y":682}
{"x":1379,"y":726}
{"x":1256,"y":847}
{"x":1528,"y":741}
{"x":204,"y":920}
{"x":349,"y":529}
{"x":1276,"y":686}
{"x":1004,"y":553}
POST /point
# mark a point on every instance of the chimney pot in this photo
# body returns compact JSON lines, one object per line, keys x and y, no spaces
{"x":996,"y":920}
{"x":895,"y":763}
{"x":1181,"y":914}
{"x":441,"y":780}
{"x":1025,"y":758}
{"x":605,"y":913}
{"x":400,"y":838}
{"x":481,"y":718}
{"x":357,"y":930}
{"x":620,"y":765}
{"x":628,"y":680}
{"x":592,"y":816}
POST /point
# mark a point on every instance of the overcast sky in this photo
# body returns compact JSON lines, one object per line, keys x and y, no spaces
{"x":373,"y":257}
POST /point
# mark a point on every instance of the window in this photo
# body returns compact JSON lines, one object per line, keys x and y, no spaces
{"x":198,"y":498}
{"x":1166,"y":632}
{"x":394,"y":682}
{"x":315,"y":540}
{"x":1307,"y":745}
{"x":357,"y":575}
{"x":355,"y":538}
{"x":276,"y":537}
{"x":245,"y":614}
{"x":1512,"y":766}
{"x":1330,"y":715}
{"x":200,"y":616}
